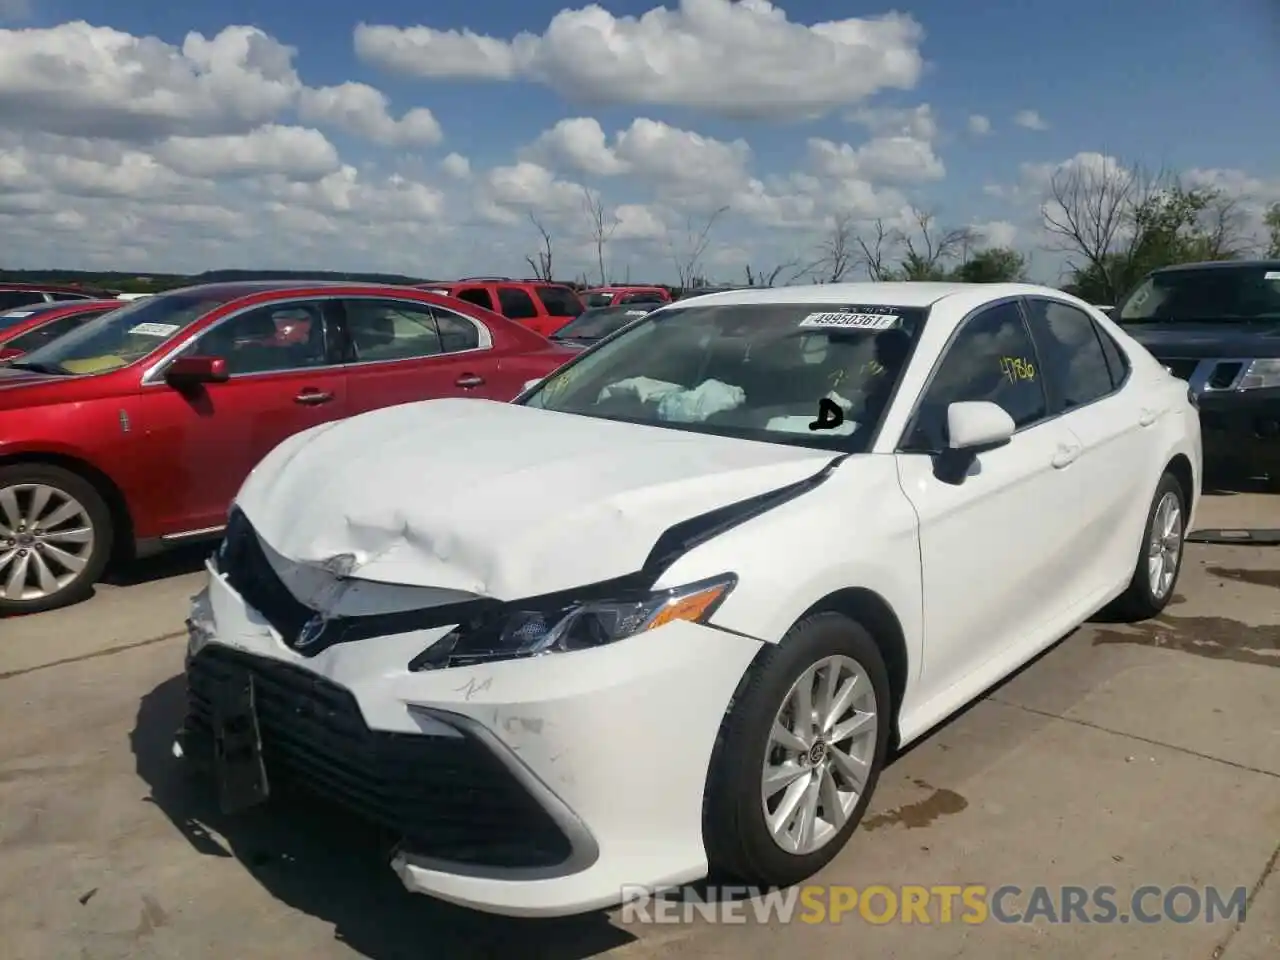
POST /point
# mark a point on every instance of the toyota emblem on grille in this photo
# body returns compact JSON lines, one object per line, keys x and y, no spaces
{"x":310,"y":633}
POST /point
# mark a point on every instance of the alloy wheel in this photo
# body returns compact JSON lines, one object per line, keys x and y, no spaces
{"x":1165,"y":546}
{"x":819,"y":756}
{"x":46,"y":541}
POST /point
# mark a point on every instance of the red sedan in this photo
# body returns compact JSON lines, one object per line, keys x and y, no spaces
{"x":26,"y":328}
{"x":134,"y":432}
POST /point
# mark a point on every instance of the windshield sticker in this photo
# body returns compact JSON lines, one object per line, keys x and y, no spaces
{"x":1271,"y":275}
{"x":15,"y":314}
{"x":856,"y":321}
{"x":1017,"y":369}
{"x":155,"y":329}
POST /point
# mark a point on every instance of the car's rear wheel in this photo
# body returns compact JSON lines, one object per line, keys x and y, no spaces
{"x":55,"y":537}
{"x":1160,"y":559}
{"x":799,"y":753}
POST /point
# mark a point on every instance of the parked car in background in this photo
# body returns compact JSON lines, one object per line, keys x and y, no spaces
{"x":26,"y":328}
{"x":537,"y":304}
{"x":133,"y":432}
{"x":1217,"y":326}
{"x":618,"y":295}
{"x":14,"y":295}
{"x":792,"y":529}
{"x":598,"y":323}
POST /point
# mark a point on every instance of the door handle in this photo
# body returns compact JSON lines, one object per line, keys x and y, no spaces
{"x":1066,"y":455}
{"x":1148,"y":416}
{"x":313,"y":398}
{"x":469,"y":380}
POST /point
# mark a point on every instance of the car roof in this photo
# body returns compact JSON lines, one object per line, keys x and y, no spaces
{"x":899,"y":294}
{"x":1221,"y":265}
{"x":235,"y":289}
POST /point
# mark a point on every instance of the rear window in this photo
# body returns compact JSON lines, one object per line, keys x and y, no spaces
{"x":48,"y":332}
{"x":11,"y":299}
{"x":12,"y":318}
{"x":599,"y":299}
{"x":1215,"y":293}
{"x":559,"y":301}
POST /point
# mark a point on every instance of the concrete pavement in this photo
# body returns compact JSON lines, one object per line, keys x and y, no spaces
{"x":1124,"y":756}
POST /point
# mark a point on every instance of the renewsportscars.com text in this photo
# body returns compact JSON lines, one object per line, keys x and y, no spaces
{"x":940,"y":904}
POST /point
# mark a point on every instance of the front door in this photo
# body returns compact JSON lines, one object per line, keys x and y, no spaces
{"x":284,"y":378}
{"x":988,"y":545}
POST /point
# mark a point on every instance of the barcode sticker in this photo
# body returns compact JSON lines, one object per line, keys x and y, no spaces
{"x":855,"y":321}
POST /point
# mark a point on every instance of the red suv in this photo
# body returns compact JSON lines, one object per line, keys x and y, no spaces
{"x":616,"y":296}
{"x":540,"y":305}
{"x":134,"y":432}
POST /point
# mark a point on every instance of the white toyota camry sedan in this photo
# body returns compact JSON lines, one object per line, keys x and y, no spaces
{"x":669,"y":612}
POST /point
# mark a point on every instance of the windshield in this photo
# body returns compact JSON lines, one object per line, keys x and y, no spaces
{"x":1216,"y":293}
{"x":595,"y":324}
{"x":802,"y":374}
{"x":123,"y":336}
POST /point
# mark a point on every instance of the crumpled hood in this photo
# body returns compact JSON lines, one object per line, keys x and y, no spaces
{"x":497,"y":500}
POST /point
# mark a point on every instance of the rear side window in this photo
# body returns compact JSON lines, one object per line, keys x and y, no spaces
{"x":9,"y":299}
{"x":1070,"y":352}
{"x":516,"y":304}
{"x":1117,"y":363}
{"x":49,"y":332}
{"x":60,"y":295}
{"x":477,"y":295}
{"x":559,"y":301}
{"x":456,"y":333}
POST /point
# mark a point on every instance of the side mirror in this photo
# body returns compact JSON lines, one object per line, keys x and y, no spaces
{"x":978,"y":425}
{"x":189,"y":371}
{"x":972,"y":427}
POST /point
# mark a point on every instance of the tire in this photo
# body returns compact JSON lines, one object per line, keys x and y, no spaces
{"x":738,"y":839}
{"x":1141,"y":599}
{"x":63,"y":491}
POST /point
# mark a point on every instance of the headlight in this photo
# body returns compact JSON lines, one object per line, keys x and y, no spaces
{"x":1260,"y":374}
{"x":514,"y":632}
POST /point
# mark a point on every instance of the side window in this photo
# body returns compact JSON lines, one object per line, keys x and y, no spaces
{"x":456,"y":333}
{"x":516,"y":304}
{"x":1070,"y":352}
{"x":9,"y":299}
{"x":559,"y":301}
{"x":477,"y":295}
{"x":59,"y":295}
{"x":1117,"y":363}
{"x":49,"y":332}
{"x":991,"y":358}
{"x":275,"y":337}
{"x":391,"y":330}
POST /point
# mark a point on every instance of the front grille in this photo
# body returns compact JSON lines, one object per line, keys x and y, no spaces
{"x":249,"y":573}
{"x":1181,"y":368}
{"x":448,"y":797}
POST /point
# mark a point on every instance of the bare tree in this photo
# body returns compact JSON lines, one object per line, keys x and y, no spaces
{"x":542,"y":266}
{"x":687,"y":254}
{"x":929,"y":246}
{"x":601,"y":229}
{"x":874,"y":255}
{"x":1225,"y":228}
{"x":1090,"y":213}
{"x":837,"y":254}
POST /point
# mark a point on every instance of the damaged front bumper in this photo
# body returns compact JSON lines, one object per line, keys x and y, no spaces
{"x":534,"y":787}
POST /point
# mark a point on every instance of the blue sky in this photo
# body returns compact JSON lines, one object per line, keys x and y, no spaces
{"x":1134,"y":80}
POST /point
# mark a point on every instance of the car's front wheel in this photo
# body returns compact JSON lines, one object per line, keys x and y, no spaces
{"x":55,"y":537}
{"x":799,"y":753}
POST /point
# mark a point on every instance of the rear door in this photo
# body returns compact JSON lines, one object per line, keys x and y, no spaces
{"x":516,"y":304}
{"x":403,"y":351}
{"x":560,"y":305}
{"x":204,"y":440}
{"x":1115,"y":473}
